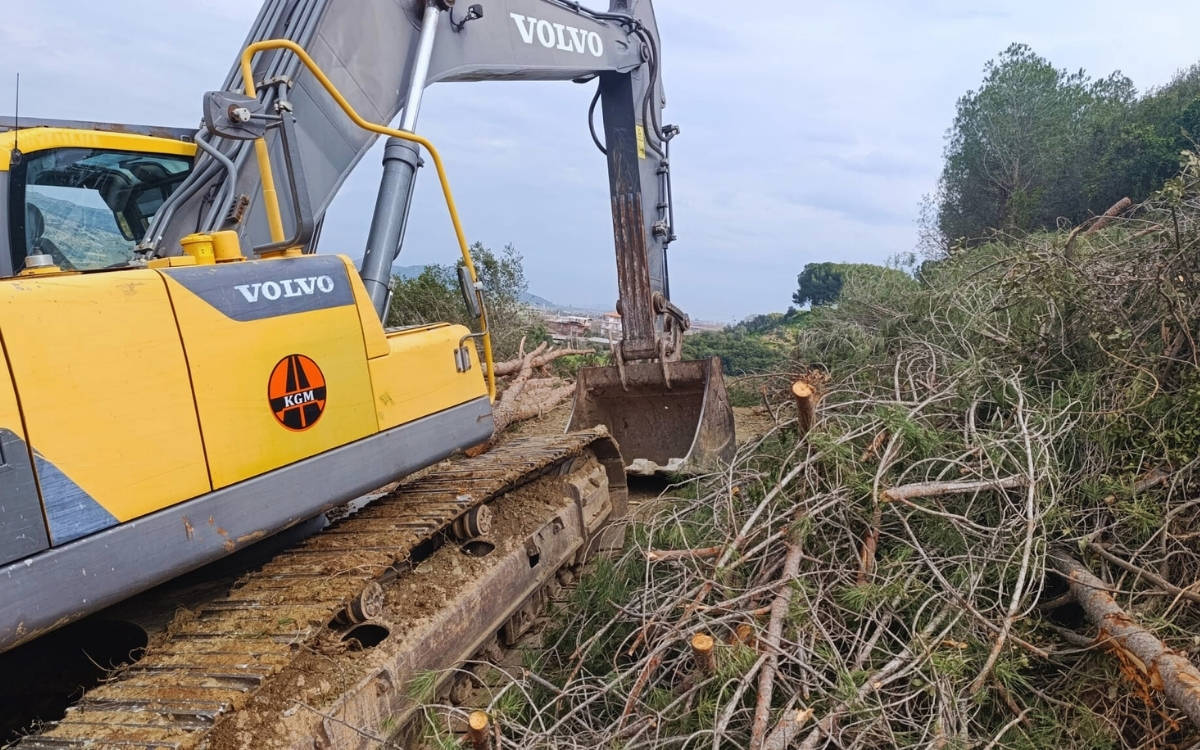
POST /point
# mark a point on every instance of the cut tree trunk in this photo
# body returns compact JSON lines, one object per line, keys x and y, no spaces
{"x":1163,"y":669}
{"x":806,"y":405}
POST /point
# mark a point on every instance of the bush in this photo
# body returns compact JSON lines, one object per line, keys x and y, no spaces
{"x":434,"y":297}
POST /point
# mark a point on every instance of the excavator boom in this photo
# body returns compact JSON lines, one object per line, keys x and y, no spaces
{"x":426,"y":42}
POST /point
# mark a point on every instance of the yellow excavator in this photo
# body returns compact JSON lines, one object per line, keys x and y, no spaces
{"x":185,"y":376}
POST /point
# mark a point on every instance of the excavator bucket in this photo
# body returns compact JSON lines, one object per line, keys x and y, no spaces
{"x":665,"y":418}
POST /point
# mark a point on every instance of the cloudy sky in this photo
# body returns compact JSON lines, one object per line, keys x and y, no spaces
{"x":810,"y":130}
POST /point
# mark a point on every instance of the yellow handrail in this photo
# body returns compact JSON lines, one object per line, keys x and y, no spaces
{"x":272,"y":202}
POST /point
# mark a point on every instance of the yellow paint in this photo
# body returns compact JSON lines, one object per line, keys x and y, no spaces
{"x":199,"y":247}
{"x":418,"y":377}
{"x":231,"y":362}
{"x":50,"y":270}
{"x":270,"y":195}
{"x":227,"y":247}
{"x":31,"y":140}
{"x":264,"y":163}
{"x":10,"y":412}
{"x":640,"y":135}
{"x":173,"y":261}
{"x":104,"y":388}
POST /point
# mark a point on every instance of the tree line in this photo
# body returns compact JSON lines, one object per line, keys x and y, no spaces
{"x":1036,"y":144}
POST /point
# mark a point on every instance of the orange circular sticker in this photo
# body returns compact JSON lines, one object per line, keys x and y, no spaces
{"x":296,"y":391}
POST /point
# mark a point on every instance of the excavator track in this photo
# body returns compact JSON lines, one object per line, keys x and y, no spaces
{"x":228,"y":672}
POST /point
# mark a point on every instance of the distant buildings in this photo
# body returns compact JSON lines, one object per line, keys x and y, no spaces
{"x":569,"y":326}
{"x":599,"y":328}
{"x":609,"y":325}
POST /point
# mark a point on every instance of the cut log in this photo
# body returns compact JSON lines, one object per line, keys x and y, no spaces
{"x":477,"y":730}
{"x":1113,"y":212}
{"x":806,"y":405}
{"x":1161,"y":668}
{"x":935,"y":489}
{"x":539,"y":357}
{"x":658,"y":555}
{"x":702,"y":651}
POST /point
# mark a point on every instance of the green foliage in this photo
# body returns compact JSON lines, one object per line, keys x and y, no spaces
{"x":758,"y":344}
{"x":434,"y":297}
{"x":740,"y":352}
{"x":1035,"y":144}
{"x":570,"y":365}
{"x":742,"y":393}
{"x":822,"y":283}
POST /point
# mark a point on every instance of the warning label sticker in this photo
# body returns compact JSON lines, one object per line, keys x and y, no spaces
{"x":296,"y":391}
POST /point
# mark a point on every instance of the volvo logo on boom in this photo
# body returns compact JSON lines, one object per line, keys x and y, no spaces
{"x":558,"y":35}
{"x":273,"y":290}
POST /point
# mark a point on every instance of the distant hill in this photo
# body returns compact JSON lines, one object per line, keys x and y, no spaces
{"x":89,"y":236}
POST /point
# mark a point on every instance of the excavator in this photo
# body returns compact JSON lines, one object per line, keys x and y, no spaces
{"x":185,"y":375}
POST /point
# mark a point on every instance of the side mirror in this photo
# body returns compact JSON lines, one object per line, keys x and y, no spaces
{"x":235,"y":116}
{"x":470,"y":293}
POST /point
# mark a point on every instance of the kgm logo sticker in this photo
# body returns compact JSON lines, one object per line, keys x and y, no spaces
{"x":296,"y":391}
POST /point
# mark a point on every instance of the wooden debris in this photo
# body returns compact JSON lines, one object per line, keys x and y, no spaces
{"x":1159,"y":667}
{"x":702,"y":650}
{"x":766,"y":675}
{"x":806,"y":405}
{"x":477,"y":730}
{"x":936,"y":489}
{"x":659,"y":555}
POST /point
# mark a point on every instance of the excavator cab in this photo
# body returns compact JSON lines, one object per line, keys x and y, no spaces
{"x":83,"y":193}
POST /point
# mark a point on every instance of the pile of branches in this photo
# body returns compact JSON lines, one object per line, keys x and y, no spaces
{"x":528,"y":387}
{"x":988,"y":537}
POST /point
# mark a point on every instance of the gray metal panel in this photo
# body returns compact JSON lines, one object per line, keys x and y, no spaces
{"x":6,"y":259}
{"x":53,"y":588}
{"x":70,"y":511}
{"x":22,"y":528}
{"x":367,"y":47}
{"x":254,"y":290}
{"x":158,"y":131}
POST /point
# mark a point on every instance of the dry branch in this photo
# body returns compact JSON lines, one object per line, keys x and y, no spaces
{"x":1157,"y":580}
{"x":1164,"y":669}
{"x":659,"y":555}
{"x":788,"y":728}
{"x":937,"y":489}
{"x":539,"y":357}
{"x":766,"y":676}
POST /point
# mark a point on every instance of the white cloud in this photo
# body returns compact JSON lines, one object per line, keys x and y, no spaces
{"x":810,"y":130}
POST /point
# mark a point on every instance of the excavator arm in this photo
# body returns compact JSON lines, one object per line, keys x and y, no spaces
{"x":381,"y":54}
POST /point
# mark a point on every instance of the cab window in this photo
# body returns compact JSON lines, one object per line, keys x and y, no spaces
{"x":88,"y":208}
